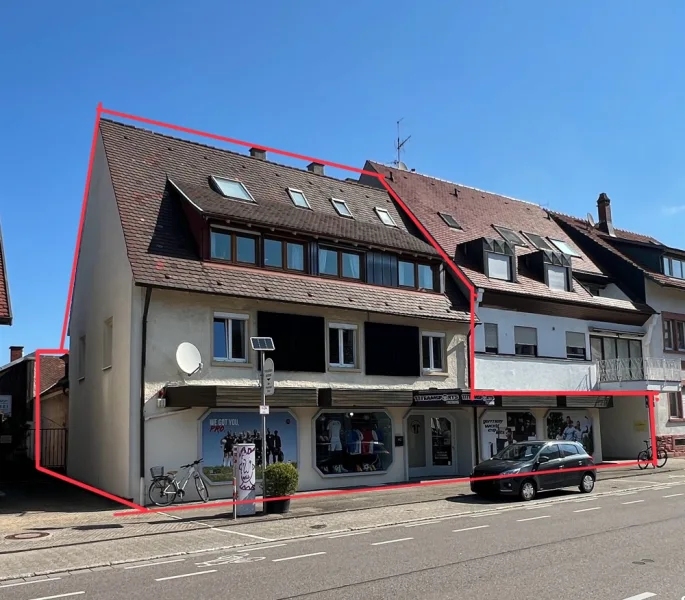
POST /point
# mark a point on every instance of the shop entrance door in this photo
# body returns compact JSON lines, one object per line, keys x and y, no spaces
{"x":431,"y":448}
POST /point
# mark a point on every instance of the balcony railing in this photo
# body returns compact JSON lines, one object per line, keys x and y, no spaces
{"x":639,"y":369}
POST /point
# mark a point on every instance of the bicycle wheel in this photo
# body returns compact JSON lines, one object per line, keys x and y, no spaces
{"x":661,"y":457}
{"x":201,"y":488}
{"x":162,"y":491}
{"x":643,"y":459}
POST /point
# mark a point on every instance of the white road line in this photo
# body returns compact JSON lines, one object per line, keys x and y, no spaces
{"x":162,"y":562}
{"x":673,"y":495}
{"x":340,"y":535}
{"x":425,"y":523}
{"x":532,"y":518}
{"x":391,"y":541}
{"x":641,"y":596}
{"x":255,"y":537}
{"x":632,"y":502}
{"x":587,"y":509}
{"x":470,"y":528}
{"x":29,"y":582}
{"x":59,"y":596}
{"x":257,"y":548}
{"x":299,"y":556}
{"x":186,"y":575}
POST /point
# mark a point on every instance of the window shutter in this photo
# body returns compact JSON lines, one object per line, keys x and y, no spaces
{"x":498,"y":267}
{"x":556,"y":276}
{"x":526,"y":335}
{"x":491,"y":335}
{"x":575,"y":339}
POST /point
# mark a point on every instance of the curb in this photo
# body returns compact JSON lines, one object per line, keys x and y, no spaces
{"x":105,"y":564}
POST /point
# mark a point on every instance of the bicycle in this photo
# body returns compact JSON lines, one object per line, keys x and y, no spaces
{"x":164,"y":488}
{"x":645,"y":456}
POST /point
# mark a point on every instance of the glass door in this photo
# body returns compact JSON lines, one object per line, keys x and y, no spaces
{"x":441,"y":442}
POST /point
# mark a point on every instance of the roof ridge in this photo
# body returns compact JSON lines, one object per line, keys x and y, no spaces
{"x":234,"y":153}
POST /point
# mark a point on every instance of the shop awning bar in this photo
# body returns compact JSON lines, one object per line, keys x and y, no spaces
{"x":368,"y":398}
{"x":589,"y":401}
{"x":529,"y":402}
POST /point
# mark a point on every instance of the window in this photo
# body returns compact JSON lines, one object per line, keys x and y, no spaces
{"x":551,"y":452}
{"x":341,"y":208}
{"x":674,"y":267}
{"x":526,"y":341}
{"x":491,"y":338}
{"x":246,"y":249}
{"x":450,"y":220}
{"x":107,"y":344}
{"x":511,"y":236}
{"x":675,"y":405}
{"x":406,"y":274}
{"x":232,"y":188}
{"x":234,"y":247}
{"x":298,"y":198}
{"x":81,"y":362}
{"x":575,"y":345}
{"x":674,"y":333}
{"x":338,"y":263}
{"x":273,"y":254}
{"x":342,"y":345}
{"x":385,"y":217}
{"x":557,"y":277}
{"x":295,"y":256}
{"x":668,"y":334}
{"x":426,"y":277}
{"x":222,"y":246}
{"x":564,"y":248}
{"x":499,"y":266}
{"x":328,"y":262}
{"x":353,"y":442}
{"x":569,"y":450}
{"x":230,"y":338}
{"x":433,"y":351}
{"x":538,"y":241}
{"x":276,"y":252}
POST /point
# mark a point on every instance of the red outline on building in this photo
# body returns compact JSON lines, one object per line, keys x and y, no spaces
{"x":138,"y":509}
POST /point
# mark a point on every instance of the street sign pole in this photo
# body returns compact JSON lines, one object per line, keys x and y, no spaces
{"x":263,"y":411}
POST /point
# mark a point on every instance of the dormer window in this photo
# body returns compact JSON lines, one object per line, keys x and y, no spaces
{"x":499,"y":266}
{"x":556,"y":278}
{"x":450,"y":220}
{"x":341,"y":208}
{"x":511,"y":236}
{"x":564,"y":247}
{"x":493,"y":257}
{"x":231,"y":188}
{"x":554,"y":268}
{"x":538,"y":241}
{"x":385,"y":217}
{"x":298,"y":198}
{"x":674,"y":267}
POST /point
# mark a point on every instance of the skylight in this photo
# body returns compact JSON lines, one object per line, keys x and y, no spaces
{"x":232,"y":188}
{"x":450,"y":220}
{"x":298,"y":198}
{"x":538,"y":241}
{"x":564,"y":247}
{"x":511,"y":236}
{"x":341,"y":207}
{"x":385,"y":217}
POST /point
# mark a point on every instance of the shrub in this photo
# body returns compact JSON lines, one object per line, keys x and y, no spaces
{"x":282,"y":479}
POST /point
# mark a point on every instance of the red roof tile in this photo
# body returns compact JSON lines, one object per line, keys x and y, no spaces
{"x":52,"y":369}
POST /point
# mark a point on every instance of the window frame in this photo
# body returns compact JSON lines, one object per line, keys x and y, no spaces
{"x":674,"y":324}
{"x":446,"y":217}
{"x":339,"y":251}
{"x":442,"y":336}
{"x":517,"y":344}
{"x":679,"y":402}
{"x":485,"y":338}
{"x":334,"y":202}
{"x":379,"y":211}
{"x":669,"y":260}
{"x":530,"y":237}
{"x":228,"y":318}
{"x":234,"y":234}
{"x":284,"y":254}
{"x":521,"y":241}
{"x":107,"y":343}
{"x":292,"y":191}
{"x":567,"y":276}
{"x":510,"y":267}
{"x":572,"y":355}
{"x":339,"y":327}
{"x":217,"y":186}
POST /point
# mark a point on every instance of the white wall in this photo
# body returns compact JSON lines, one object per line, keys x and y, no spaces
{"x":100,"y":408}
{"x":621,"y":424}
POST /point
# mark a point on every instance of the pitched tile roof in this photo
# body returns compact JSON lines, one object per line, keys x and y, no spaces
{"x":5,"y":304}
{"x":162,"y":251}
{"x":477,"y":212}
{"x":52,"y":370}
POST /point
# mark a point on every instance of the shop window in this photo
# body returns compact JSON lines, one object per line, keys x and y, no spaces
{"x":526,"y":341}
{"x":571,"y":426}
{"x":353,"y":442}
{"x":675,"y":405}
{"x":433,"y":351}
{"x":491,"y":338}
{"x":575,"y":344}
{"x":230,"y":338}
{"x":342,"y":345}
{"x":499,"y":429}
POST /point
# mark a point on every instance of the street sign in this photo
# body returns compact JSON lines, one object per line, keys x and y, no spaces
{"x":268,"y":377}
{"x":264,"y":409}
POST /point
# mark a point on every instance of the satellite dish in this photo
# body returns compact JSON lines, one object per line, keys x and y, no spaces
{"x":401,"y":166}
{"x":591,"y":219}
{"x":188,"y":358}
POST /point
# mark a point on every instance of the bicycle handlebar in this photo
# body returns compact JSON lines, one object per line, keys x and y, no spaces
{"x":192,"y":464}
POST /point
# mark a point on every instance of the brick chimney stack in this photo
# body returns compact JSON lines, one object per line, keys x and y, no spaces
{"x":16,"y":352}
{"x":604,"y":213}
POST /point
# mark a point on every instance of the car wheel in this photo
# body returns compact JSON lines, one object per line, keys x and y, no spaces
{"x":587,"y":484}
{"x":527,"y":491}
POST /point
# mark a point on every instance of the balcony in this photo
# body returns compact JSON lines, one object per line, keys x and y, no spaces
{"x":640,"y":373}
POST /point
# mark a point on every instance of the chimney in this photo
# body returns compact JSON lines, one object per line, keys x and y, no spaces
{"x":604,"y":212}
{"x":316,"y":168}
{"x":258,"y":153}
{"x":16,"y":352}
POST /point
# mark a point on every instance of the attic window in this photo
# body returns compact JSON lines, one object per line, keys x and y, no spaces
{"x":450,"y":220}
{"x":298,"y":198}
{"x":538,"y":241}
{"x":511,"y":236}
{"x":565,"y":248}
{"x":341,"y":207}
{"x":231,"y":188}
{"x":385,"y":217}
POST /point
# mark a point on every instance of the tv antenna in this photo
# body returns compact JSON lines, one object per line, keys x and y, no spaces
{"x":398,"y":147}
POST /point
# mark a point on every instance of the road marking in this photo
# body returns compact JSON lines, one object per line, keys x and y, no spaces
{"x":299,"y":556}
{"x":470,"y":528}
{"x":632,"y":502}
{"x":255,"y":537}
{"x":673,"y":495}
{"x":29,"y":582}
{"x":59,"y":596}
{"x":641,"y":596}
{"x":533,"y":518}
{"x":587,"y":509}
{"x":391,"y":541}
{"x":432,"y":522}
{"x":162,"y":562}
{"x":339,"y":535}
{"x":185,"y":575}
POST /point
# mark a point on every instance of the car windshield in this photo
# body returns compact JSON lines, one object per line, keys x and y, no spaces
{"x":519,"y":451}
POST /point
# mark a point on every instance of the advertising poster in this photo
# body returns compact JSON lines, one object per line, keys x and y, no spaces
{"x":571,"y":426}
{"x":221,"y":430}
{"x":500,"y":428}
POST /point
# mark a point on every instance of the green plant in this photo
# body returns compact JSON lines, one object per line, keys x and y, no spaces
{"x":281,"y":479}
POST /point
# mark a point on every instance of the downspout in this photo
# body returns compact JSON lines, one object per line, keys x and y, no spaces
{"x":143,"y":357}
{"x":476,"y":432}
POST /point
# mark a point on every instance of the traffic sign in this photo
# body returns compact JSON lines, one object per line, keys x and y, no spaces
{"x":268,"y":377}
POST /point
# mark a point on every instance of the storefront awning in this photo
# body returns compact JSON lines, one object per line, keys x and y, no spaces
{"x":364,"y":398}
{"x":219,"y":396}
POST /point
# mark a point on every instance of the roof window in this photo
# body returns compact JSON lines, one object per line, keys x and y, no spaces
{"x":385,"y":217}
{"x":341,"y":208}
{"x":564,"y":248}
{"x":450,"y":220}
{"x":538,"y":241}
{"x":231,"y":188}
{"x":298,"y":198}
{"x":511,"y":236}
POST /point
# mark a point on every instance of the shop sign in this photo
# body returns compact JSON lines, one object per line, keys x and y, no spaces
{"x":6,"y":405}
{"x":450,"y":397}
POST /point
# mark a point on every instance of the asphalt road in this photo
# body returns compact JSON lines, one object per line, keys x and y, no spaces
{"x":614,"y":547}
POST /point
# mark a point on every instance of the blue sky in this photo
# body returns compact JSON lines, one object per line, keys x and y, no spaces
{"x":545,"y":101}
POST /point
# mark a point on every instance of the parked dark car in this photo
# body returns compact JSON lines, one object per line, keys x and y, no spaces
{"x":532,"y":457}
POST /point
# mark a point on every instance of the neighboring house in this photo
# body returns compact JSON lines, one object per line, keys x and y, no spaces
{"x":538,"y":316}
{"x":651,"y":273}
{"x":183,"y":242}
